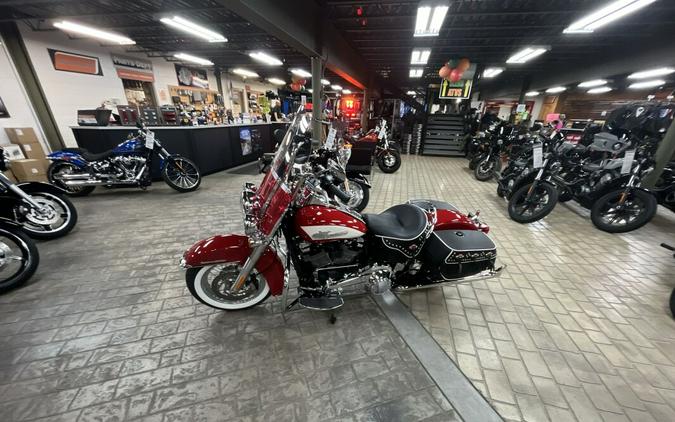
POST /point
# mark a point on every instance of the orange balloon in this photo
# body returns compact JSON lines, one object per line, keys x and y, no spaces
{"x":296,"y":86}
{"x":444,"y":71}
{"x":464,"y":65}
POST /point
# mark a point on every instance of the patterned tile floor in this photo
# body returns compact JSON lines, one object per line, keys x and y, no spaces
{"x":578,"y":327}
{"x":106,"y":331}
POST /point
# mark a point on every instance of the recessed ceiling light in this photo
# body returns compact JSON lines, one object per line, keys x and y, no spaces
{"x":276,"y":81}
{"x":325,"y":82}
{"x":301,"y":72}
{"x":193,"y":29}
{"x":652,"y":73}
{"x":420,"y":56}
{"x":336,"y":87}
{"x":600,"y":90}
{"x":647,"y":84}
{"x":429,"y":20}
{"x":532,"y":94}
{"x":93,"y":32}
{"x":611,"y":12}
{"x":416,"y":72}
{"x":526,"y":54}
{"x":491,"y":72}
{"x":193,"y":59}
{"x":346,"y":91}
{"x":556,"y":89}
{"x":594,"y":82}
{"x":265,"y":58}
{"x":245,"y":73}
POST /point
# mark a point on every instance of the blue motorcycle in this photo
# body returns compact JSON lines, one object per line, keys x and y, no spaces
{"x":79,"y":171}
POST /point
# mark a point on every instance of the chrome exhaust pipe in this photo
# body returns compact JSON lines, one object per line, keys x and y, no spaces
{"x":77,"y":176}
{"x":98,"y":182}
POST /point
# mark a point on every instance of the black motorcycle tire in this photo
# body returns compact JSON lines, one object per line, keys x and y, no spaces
{"x":480,"y":174}
{"x":63,"y":230}
{"x":30,"y":255}
{"x":70,"y":190}
{"x":649,"y":211}
{"x":565,"y":196}
{"x":397,"y":161}
{"x":501,"y":192}
{"x":521,"y":193}
{"x":364,"y":200}
{"x":175,"y":186}
{"x":474,"y":161}
{"x":672,"y":303}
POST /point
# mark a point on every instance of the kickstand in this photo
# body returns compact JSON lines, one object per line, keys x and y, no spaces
{"x":333,"y":318}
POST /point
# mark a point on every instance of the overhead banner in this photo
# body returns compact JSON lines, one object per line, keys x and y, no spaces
{"x":452,"y":90}
{"x":133,"y":68}
{"x":77,"y":63}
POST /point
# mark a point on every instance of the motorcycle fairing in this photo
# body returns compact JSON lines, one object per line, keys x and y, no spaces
{"x":235,"y":248}
{"x":69,"y":157}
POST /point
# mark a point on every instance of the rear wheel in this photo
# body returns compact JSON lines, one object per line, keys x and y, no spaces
{"x":389,"y":161}
{"x":212,"y":286}
{"x":181,"y":174}
{"x":58,"y":169}
{"x":611,"y":214}
{"x":19,"y":258}
{"x":540,"y":203}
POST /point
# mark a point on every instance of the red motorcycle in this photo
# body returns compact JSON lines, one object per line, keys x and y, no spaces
{"x":418,"y":244}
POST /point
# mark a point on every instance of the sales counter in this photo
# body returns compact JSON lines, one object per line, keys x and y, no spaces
{"x":212,"y":148}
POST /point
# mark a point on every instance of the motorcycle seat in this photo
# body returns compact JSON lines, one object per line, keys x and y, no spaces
{"x":403,"y":222}
{"x":89,"y":156}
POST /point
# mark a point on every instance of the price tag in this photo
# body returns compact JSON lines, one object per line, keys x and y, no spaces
{"x":381,"y":134}
{"x":330,"y":139}
{"x":538,"y":156}
{"x":628,"y":161}
{"x":149,"y":140}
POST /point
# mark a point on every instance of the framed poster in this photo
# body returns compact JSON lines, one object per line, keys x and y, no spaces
{"x":190,"y":76}
{"x":76,"y":63}
{"x":250,"y":141}
{"x":4,"y":114}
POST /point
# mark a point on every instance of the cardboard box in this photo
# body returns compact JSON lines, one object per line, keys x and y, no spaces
{"x":8,"y":174}
{"x":33,"y":151}
{"x":30,"y":170}
{"x":28,"y":140}
{"x":14,"y":151}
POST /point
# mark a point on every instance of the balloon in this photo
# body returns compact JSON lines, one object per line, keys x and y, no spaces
{"x":463,"y":65}
{"x":444,"y":71}
{"x":451,"y":63}
{"x":296,"y":86}
{"x":455,"y":75}
{"x":295,"y":78}
{"x":302,"y":82}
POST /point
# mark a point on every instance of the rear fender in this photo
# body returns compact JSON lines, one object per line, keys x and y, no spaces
{"x":358,"y":177}
{"x":69,"y":157}
{"x":235,"y":248}
{"x":32,"y":187}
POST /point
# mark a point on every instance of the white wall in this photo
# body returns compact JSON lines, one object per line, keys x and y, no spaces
{"x":15,"y":99}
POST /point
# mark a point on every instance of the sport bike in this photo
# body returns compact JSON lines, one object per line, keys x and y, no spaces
{"x":19,"y":256}
{"x":418,"y":244}
{"x":79,"y":171}
{"x":42,"y":210}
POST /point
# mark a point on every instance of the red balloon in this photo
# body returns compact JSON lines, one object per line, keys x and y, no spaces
{"x":455,"y":75}
{"x":444,"y":71}
{"x":302,"y":82}
{"x":296,"y":86}
{"x":464,"y":65}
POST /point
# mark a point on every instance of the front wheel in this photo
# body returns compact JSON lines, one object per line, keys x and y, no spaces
{"x":181,"y":174}
{"x":360,"y":195}
{"x":484,"y":170}
{"x":618,"y":212}
{"x":389,"y":161}
{"x":19,"y":258}
{"x":212,"y":286}
{"x":539,"y":204}
{"x":56,"y":216}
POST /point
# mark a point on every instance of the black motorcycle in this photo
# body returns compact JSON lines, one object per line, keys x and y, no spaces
{"x":19,"y":257}
{"x":41,"y":209}
{"x":672,"y":294}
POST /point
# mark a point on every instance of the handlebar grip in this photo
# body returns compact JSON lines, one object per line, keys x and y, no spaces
{"x":339,"y":193}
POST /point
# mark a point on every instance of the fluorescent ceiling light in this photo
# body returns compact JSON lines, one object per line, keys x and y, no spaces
{"x":491,"y":72}
{"x":336,"y":87}
{"x":652,"y":73}
{"x":93,"y":32}
{"x":420,"y":56}
{"x":611,"y":12}
{"x":346,"y":91}
{"x":245,"y":73}
{"x":276,"y":81}
{"x":265,"y":58}
{"x":556,"y":89}
{"x":302,"y":73}
{"x":193,"y":59}
{"x":600,"y":90}
{"x":325,"y":82}
{"x":416,"y":72}
{"x":594,"y":82}
{"x":193,"y":29}
{"x":526,"y":54}
{"x":532,"y":94}
{"x":413,"y":93}
{"x":429,"y":20}
{"x":647,"y":84}
{"x":310,"y":90}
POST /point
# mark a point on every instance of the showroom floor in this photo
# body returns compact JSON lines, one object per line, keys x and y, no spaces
{"x":576,"y":328}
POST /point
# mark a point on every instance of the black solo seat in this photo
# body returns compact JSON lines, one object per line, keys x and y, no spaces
{"x":403,"y":222}
{"x":89,"y":156}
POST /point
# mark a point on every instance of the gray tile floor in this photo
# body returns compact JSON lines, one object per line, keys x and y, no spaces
{"x":106,"y":331}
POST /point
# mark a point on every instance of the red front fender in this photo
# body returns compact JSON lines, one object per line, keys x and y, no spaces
{"x":235,"y":248}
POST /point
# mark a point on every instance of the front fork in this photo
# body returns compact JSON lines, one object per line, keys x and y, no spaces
{"x":21,"y":194}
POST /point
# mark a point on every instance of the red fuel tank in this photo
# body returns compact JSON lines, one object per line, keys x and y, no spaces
{"x":318,"y":223}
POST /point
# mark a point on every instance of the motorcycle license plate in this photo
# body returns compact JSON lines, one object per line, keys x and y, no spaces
{"x":149,"y":140}
{"x":628,"y":159}
{"x":538,"y":156}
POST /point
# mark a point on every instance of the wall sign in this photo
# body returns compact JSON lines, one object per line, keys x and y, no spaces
{"x":76,"y":63}
{"x":460,"y":89}
{"x":133,"y":68}
{"x":189,"y":76}
{"x":4,"y":114}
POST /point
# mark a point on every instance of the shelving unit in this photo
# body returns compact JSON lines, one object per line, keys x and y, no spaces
{"x":443,"y":135}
